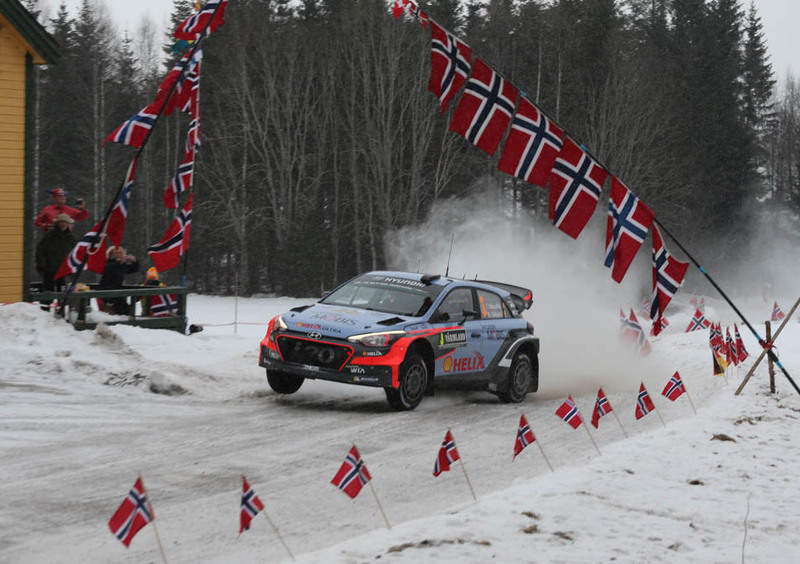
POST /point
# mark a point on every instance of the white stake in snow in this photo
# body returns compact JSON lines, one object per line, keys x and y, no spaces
{"x":620,"y":423}
{"x":378,"y":501}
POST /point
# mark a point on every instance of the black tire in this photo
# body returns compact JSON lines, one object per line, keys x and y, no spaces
{"x":284,"y":383}
{"x":519,"y":379}
{"x":413,"y":384}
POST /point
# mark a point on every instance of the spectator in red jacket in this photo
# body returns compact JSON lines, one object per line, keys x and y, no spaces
{"x":59,"y":206}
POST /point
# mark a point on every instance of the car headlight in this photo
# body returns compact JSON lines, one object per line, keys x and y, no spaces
{"x":276,"y":326}
{"x":382,"y":339}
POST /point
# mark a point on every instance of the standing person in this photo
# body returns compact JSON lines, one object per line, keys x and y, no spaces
{"x":118,"y":264}
{"x":51,"y":251}
{"x":59,"y":206}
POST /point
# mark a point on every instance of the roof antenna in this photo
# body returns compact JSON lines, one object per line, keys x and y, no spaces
{"x":447,"y":271}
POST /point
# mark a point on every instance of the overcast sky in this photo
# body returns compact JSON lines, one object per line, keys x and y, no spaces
{"x":780,"y":19}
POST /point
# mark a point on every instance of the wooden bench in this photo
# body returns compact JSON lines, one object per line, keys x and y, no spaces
{"x":79,"y":305}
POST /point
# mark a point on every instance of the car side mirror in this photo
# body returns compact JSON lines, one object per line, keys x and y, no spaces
{"x":440,"y":317}
{"x":469,"y":314}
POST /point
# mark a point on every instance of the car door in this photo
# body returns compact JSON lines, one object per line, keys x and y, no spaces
{"x":496,"y":322}
{"x":459,"y":350}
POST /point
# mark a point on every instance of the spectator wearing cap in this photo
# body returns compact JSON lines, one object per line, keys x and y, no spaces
{"x":51,"y":252}
{"x":59,"y":206}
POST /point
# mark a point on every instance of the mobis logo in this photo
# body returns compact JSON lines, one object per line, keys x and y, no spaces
{"x":464,"y":364}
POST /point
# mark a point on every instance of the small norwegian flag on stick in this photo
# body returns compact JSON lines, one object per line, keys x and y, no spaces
{"x":601,"y":407}
{"x":675,"y":388}
{"x":645,"y":405}
{"x":352,"y":476}
{"x":525,"y":437}
{"x":448,"y":453}
{"x":777,"y":314}
{"x":571,"y":415}
{"x":134,"y":513}
{"x":251,"y":506}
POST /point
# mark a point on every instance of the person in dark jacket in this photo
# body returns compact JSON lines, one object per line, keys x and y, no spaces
{"x":118,"y":264}
{"x":51,"y":251}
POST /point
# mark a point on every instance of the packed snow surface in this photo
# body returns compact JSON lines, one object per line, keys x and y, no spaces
{"x":82,"y":414}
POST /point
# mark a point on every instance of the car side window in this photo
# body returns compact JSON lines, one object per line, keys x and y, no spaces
{"x":491,"y":305}
{"x":453,"y":306}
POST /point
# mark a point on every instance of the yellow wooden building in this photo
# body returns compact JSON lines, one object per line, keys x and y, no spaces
{"x":23,"y":43}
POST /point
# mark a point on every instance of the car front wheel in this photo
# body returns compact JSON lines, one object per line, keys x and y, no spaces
{"x":284,"y":383}
{"x":413,"y":378}
{"x":520,"y":376}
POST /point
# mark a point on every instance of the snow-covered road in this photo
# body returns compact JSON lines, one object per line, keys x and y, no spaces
{"x":79,"y":420}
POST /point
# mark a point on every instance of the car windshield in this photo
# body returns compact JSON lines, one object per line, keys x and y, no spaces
{"x":389,"y":294}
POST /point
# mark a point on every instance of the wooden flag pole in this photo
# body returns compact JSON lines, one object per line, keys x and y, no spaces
{"x":378,"y":501}
{"x":690,"y":399}
{"x":277,"y":532}
{"x":764,"y":351}
{"x":544,"y":455}
{"x":659,"y":415}
{"x":591,"y":438}
{"x":153,"y":520}
{"x":469,"y":483}
{"x":620,"y":424}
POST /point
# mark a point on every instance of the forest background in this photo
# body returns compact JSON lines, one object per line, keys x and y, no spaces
{"x":319,"y":136}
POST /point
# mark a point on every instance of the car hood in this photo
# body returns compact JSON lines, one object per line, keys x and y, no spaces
{"x":340,"y":321}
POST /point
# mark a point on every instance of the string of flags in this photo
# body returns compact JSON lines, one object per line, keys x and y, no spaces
{"x":179,"y":90}
{"x":136,"y":511}
{"x":538,"y":151}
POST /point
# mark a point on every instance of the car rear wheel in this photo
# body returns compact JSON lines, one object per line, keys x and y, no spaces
{"x":520,"y":377}
{"x":413,"y":383}
{"x":284,"y":383}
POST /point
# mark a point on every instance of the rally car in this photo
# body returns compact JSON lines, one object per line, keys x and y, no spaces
{"x":410,"y":334}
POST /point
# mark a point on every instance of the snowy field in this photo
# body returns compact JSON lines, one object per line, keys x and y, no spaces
{"x":82,"y":414}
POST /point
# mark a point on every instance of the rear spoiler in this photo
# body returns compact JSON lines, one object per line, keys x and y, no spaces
{"x":523,"y":298}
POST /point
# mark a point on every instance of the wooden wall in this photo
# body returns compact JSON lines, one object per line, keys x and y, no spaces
{"x":12,"y":162}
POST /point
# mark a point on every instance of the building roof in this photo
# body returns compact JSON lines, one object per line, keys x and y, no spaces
{"x":31,"y":30}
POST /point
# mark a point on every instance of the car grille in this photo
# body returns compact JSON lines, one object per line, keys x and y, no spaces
{"x":313,"y":353}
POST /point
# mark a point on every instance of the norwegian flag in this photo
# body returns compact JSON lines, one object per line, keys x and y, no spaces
{"x":451,"y":60}
{"x":664,"y":323}
{"x":694,"y":302}
{"x":742,"y":353}
{"x":715,"y":337}
{"x":447,"y":454}
{"x":601,"y":407}
{"x":633,"y":333}
{"x":629,"y":219}
{"x":570,"y":413}
{"x":485,"y":108}
{"x":134,"y":131}
{"x":524,"y":436}
{"x":702,"y":304}
{"x":417,"y":13}
{"x":251,"y":505}
{"x":194,"y":25}
{"x":576,"y":182}
{"x":353,"y":474}
{"x":119,"y":213}
{"x":181,"y":182}
{"x":532,"y":145}
{"x":644,"y":309}
{"x":398,"y":8}
{"x":674,"y":387}
{"x":179,"y":83}
{"x":644,"y":404}
{"x":622,"y":319}
{"x":730,"y":346}
{"x":167,"y":253}
{"x":134,"y":513}
{"x":93,"y":244}
{"x":777,"y":314}
{"x":163,"y":305}
{"x":698,"y":322}
{"x":668,"y":274}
